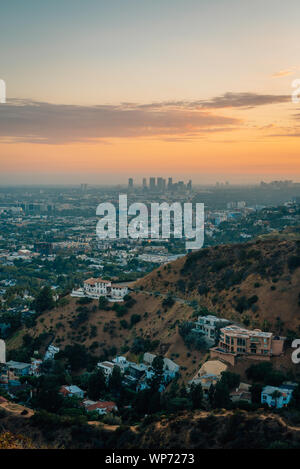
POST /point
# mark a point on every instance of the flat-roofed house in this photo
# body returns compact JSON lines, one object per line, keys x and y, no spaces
{"x":121,"y":362}
{"x":235,"y":340}
{"x":208,"y":325}
{"x":19,"y":368}
{"x":277,"y":396}
{"x":107,"y":368}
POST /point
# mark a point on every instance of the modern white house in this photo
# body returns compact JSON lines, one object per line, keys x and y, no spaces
{"x":107,"y":368}
{"x":208,"y":326}
{"x":18,"y":368}
{"x":122,"y":363}
{"x":51,"y":352}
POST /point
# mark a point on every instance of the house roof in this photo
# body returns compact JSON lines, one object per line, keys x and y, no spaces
{"x":270,"y":389}
{"x":107,"y":364}
{"x":93,"y":281}
{"x":17,"y":365}
{"x":73,"y":389}
{"x":107,"y":405}
{"x":238,"y":331}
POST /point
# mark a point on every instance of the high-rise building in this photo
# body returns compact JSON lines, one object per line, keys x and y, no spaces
{"x":83,"y":187}
{"x":152,"y":184}
{"x":144,"y":183}
{"x":160,"y":184}
{"x":170,"y":183}
{"x":189,"y":185}
{"x":130,"y":183}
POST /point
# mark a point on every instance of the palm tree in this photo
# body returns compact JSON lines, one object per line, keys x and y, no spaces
{"x":275,"y":395}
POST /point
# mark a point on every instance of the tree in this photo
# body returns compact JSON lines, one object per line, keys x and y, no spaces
{"x":44,"y":300}
{"x":135,"y":318}
{"x":115,"y":380}
{"x":211,"y":394}
{"x":295,"y":401}
{"x":96,"y":384}
{"x":256,"y":393}
{"x":276,"y":395}
{"x":179,"y":403}
{"x":76,"y":355}
{"x":231,"y":380}
{"x":221,"y":397}
{"x":103,"y":302}
{"x":141,"y":403}
{"x":258,"y":372}
{"x":157,"y":368}
{"x":168,"y":302}
{"x":47,"y":396}
{"x":196,"y":395}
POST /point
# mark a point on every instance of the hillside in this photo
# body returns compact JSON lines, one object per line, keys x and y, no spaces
{"x":199,"y":429}
{"x":103,"y":334}
{"x":256,"y":283}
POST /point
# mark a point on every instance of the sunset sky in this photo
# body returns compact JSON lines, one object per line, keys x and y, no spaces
{"x":98,"y":91}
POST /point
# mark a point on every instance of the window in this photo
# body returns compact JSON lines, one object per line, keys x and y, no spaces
{"x":241,"y":342}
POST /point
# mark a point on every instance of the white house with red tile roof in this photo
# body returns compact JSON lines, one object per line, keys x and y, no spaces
{"x":97,"y":287}
{"x":102,"y":407}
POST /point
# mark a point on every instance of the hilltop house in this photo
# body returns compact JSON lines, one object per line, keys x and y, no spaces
{"x":235,"y":340}
{"x":170,"y":368}
{"x":70,"y":391}
{"x":209,"y":374}
{"x":101,"y":407}
{"x":122,"y":363}
{"x":107,"y":368}
{"x":208,"y":325}
{"x":277,"y":396}
{"x":19,"y":368}
{"x":206,"y":381}
{"x":51,"y":352}
{"x":96,"y":287}
{"x":36,"y":366}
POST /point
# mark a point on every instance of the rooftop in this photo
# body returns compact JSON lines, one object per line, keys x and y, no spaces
{"x":93,"y":281}
{"x":239,"y":331}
